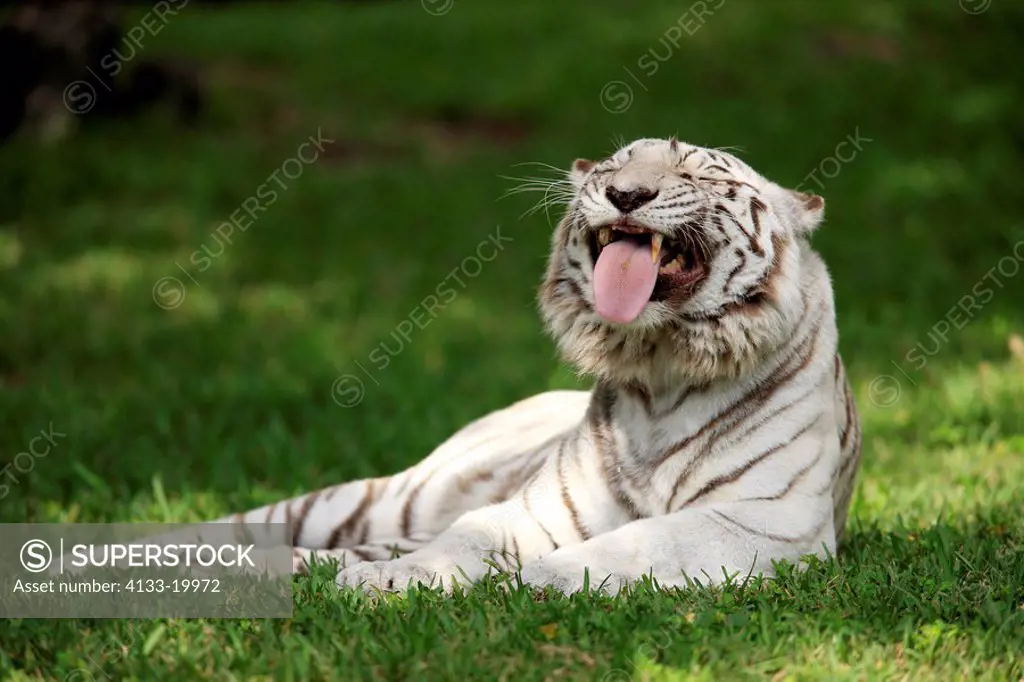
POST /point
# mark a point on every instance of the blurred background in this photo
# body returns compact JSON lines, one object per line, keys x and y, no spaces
{"x":221,"y":223}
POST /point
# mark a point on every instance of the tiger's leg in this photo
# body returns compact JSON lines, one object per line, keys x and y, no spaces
{"x":303,"y":557}
{"x":483,"y":463}
{"x":740,"y":520}
{"x":704,"y":544}
{"x":566,"y":502}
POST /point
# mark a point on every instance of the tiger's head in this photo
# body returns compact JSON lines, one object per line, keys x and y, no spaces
{"x":675,"y":263}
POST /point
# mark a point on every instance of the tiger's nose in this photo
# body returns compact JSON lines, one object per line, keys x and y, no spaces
{"x":631,"y":200}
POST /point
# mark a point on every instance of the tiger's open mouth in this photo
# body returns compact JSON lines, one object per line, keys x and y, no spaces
{"x":634,"y":264}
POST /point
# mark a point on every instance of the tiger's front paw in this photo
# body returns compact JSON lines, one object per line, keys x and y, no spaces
{"x":398,"y":575}
{"x":566,"y":575}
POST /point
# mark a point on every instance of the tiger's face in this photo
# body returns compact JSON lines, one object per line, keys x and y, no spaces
{"x":675,"y":261}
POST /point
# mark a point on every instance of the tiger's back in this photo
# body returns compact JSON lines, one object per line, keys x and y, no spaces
{"x":848,"y":422}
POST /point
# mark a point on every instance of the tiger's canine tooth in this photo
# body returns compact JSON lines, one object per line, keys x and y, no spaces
{"x":656,"y":240}
{"x":604,"y":236}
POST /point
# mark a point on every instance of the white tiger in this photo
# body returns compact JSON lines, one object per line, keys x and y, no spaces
{"x":720,"y":434}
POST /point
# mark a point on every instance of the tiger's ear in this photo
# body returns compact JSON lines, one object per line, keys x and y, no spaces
{"x":808,"y":211}
{"x":580,"y":168}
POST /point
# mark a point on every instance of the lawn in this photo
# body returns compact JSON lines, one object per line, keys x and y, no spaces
{"x":184,"y":409}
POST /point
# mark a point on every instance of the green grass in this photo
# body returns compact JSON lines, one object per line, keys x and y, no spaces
{"x":225,"y":402}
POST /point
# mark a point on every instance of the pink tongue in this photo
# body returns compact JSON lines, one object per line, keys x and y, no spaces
{"x":624,"y":278}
